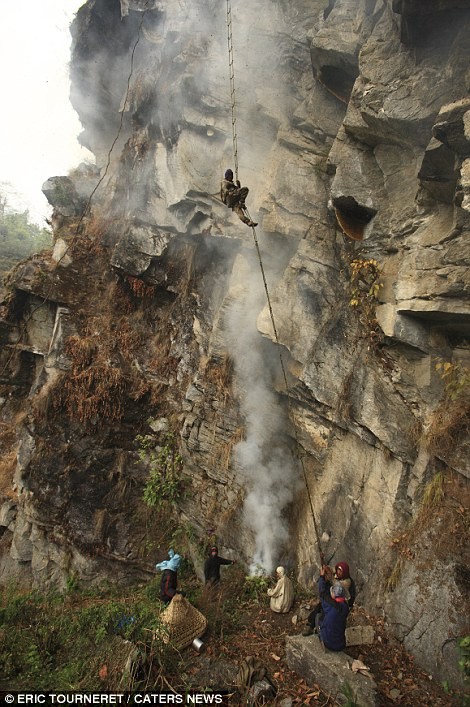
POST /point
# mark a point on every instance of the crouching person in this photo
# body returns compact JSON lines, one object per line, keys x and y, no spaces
{"x":282,"y":595}
{"x":169,"y":580}
{"x":332,"y":622}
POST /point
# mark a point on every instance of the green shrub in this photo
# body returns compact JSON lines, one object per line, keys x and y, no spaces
{"x":164,"y":464}
{"x":464,"y":650}
{"x":256,"y":587}
{"x":59,"y":642}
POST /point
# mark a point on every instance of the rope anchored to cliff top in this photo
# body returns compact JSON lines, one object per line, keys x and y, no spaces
{"x":231,"y":67}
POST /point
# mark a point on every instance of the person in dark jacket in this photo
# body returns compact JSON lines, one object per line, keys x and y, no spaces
{"x":169,"y":580}
{"x":233,"y":195}
{"x":212,"y":566}
{"x":332,"y":625}
{"x":317,"y":613}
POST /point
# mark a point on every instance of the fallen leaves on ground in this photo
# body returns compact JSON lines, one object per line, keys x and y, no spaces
{"x":400,"y":683}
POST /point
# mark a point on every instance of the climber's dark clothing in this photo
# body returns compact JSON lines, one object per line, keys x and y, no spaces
{"x":233,"y":195}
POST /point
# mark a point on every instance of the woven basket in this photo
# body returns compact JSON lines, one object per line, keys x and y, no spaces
{"x":184,"y":622}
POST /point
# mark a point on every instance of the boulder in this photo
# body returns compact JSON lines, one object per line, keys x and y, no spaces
{"x":139,"y":245}
{"x":260,"y":690}
{"x":330,"y":670}
{"x":452,"y":127}
{"x":359,"y":636}
{"x":62,"y":195}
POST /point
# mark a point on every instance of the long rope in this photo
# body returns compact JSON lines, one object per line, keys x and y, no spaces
{"x":289,"y":404}
{"x":231,"y":70}
{"x":255,"y":238}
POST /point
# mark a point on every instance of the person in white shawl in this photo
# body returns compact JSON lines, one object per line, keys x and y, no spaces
{"x":282,"y":595}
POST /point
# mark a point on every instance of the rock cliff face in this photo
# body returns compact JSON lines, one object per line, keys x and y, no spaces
{"x":312,"y":421}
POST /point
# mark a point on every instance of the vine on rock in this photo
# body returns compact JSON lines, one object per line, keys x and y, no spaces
{"x":165,"y":465}
{"x":365,"y":289}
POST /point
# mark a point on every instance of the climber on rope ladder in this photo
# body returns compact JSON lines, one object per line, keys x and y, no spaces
{"x":233,"y":195}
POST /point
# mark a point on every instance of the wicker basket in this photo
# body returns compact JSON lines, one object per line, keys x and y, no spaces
{"x":184,"y":622}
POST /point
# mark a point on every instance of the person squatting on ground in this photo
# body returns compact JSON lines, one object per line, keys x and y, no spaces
{"x":340,"y":575}
{"x":233,"y":195}
{"x":332,"y":625}
{"x":282,"y":595}
{"x":169,"y":580}
{"x":212,"y":566}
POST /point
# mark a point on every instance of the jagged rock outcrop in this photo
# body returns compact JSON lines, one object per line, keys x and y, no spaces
{"x":354,"y":138}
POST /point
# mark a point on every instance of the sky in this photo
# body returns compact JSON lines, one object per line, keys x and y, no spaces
{"x":38,"y":126}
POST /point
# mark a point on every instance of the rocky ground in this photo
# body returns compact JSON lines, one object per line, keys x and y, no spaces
{"x":83,"y":640}
{"x":260,"y":633}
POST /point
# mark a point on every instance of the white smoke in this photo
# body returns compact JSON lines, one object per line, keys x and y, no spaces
{"x":264,"y":457}
{"x":182,"y":57}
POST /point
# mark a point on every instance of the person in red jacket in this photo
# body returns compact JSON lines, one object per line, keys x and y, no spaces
{"x":344,"y":578}
{"x":341,"y":575}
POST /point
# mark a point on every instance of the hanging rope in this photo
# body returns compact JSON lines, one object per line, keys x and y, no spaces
{"x":289,"y":405}
{"x":255,"y":238}
{"x":231,"y":70}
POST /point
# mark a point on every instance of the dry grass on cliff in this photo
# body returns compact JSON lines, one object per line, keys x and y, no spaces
{"x":443,"y":518}
{"x":96,"y":228}
{"x":8,"y":453}
{"x":219,"y":373}
{"x":7,"y":470}
{"x":450,"y":422}
{"x":104,"y":368}
{"x":450,"y":425}
{"x":95,"y":387}
{"x":227,"y":448}
{"x":94,"y":393}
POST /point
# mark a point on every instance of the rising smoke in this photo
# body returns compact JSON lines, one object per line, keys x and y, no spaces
{"x":183,"y":59}
{"x":264,"y":458}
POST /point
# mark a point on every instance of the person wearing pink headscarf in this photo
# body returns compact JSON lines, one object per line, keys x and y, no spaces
{"x":344,"y":578}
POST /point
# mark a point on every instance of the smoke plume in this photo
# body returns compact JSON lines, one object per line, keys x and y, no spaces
{"x":179,"y":96}
{"x":264,"y":457}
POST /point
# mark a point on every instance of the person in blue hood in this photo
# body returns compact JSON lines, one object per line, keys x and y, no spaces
{"x":169,"y":580}
{"x":332,"y":624}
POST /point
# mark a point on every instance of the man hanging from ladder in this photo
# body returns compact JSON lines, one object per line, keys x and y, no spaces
{"x":234,"y":195}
